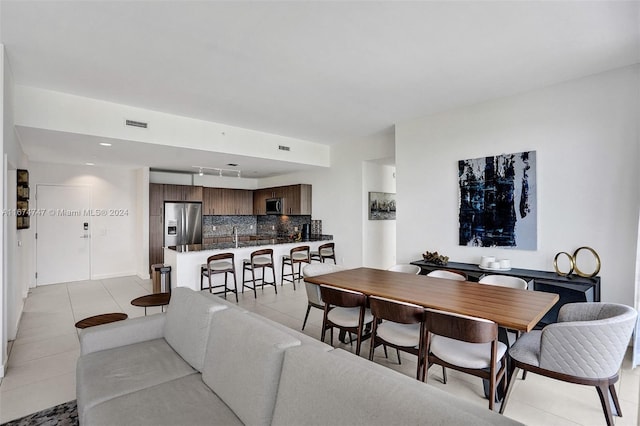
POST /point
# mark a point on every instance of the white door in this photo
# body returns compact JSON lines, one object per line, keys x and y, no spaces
{"x":63,"y":243}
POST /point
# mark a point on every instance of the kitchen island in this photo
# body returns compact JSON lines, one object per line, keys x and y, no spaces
{"x":186,"y":260}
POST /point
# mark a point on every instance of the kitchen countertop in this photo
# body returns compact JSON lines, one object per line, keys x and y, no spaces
{"x":250,"y":243}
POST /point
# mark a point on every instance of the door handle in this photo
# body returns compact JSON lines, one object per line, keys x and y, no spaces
{"x":84,"y":236}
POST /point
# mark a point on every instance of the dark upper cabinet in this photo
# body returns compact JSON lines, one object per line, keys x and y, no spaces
{"x":224,"y":201}
{"x":296,"y":199}
{"x":182,"y":193}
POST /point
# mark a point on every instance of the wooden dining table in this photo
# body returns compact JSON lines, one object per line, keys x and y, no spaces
{"x":511,"y":308}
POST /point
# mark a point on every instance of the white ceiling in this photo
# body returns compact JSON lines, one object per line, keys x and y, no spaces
{"x":327,"y":72}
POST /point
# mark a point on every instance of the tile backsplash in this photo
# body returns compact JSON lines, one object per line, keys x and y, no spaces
{"x":252,"y":225}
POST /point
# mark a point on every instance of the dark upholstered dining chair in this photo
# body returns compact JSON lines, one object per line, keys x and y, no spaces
{"x":399,"y":325}
{"x":586,"y":346}
{"x":466,"y":344}
{"x":346,"y":310}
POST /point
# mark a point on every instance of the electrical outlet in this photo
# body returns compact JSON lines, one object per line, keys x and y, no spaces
{"x":295,"y":229}
{"x":273,"y":228}
{"x":214,"y":228}
{"x":250,"y":226}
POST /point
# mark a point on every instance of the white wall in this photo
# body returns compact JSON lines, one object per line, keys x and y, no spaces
{"x":115,"y":240}
{"x":46,"y":109}
{"x":15,"y":251}
{"x":339,"y":193}
{"x":585,"y":133}
{"x":378,"y":236}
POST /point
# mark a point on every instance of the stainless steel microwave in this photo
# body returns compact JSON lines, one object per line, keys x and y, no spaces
{"x":274,"y":206}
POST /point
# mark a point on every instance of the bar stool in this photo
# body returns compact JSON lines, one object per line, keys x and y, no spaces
{"x":260,"y":259}
{"x":297,"y":255}
{"x":223,"y":263}
{"x":325,"y":251}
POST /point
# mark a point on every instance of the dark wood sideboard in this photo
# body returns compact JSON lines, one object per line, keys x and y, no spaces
{"x":570,"y":289}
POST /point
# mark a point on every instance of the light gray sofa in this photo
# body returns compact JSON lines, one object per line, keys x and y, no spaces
{"x":207,"y":362}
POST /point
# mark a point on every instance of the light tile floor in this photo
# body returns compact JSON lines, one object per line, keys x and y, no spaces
{"x":41,"y":367}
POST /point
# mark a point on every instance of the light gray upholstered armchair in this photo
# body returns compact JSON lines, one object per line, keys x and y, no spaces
{"x":586,"y":346}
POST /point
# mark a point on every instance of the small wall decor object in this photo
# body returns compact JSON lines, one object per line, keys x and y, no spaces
{"x":573,"y":263}
{"x":498,"y":201}
{"x":557,"y":268}
{"x":596,"y":258}
{"x":382,"y":206}
{"x":435,"y":258}
{"x":22,"y":199}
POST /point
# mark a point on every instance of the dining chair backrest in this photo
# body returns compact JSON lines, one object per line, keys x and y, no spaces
{"x":461,"y":327}
{"x":449,"y":275}
{"x":312,"y":270}
{"x":336,"y":296}
{"x":409,"y":269}
{"x":396,"y":311}
{"x":262,"y":253}
{"x":504,"y":281}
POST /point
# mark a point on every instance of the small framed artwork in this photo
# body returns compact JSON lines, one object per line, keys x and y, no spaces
{"x":382,"y":206}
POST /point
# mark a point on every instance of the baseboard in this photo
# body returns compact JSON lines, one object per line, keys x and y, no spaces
{"x":116,"y":275}
{"x":146,"y":276}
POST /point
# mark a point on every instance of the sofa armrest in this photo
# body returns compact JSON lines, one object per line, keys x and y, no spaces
{"x":122,"y":333}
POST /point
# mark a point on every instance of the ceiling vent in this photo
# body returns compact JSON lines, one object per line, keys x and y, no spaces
{"x":136,"y":124}
{"x":284,"y":148}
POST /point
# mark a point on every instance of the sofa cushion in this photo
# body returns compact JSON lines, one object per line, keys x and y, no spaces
{"x":304,"y":339}
{"x":243,"y":362}
{"x":188,"y":322}
{"x":330,"y":388}
{"x":184,"y":401}
{"x":221,"y":300}
{"x":119,"y":371}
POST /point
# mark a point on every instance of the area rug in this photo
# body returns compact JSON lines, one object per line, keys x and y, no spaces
{"x":61,"y":415}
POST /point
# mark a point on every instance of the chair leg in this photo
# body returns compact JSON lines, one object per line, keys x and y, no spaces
{"x":492,"y":388}
{"x":306,"y":315}
{"x":282,"y":272}
{"x":444,"y":375}
{"x":235,"y":284}
{"x":513,"y":374}
{"x":372,"y":340}
{"x":616,"y":403}
{"x":293,"y":275}
{"x":603,"y":393}
{"x":398,"y":353}
{"x":253,"y":277}
{"x":209,"y":281}
{"x":273,"y":271}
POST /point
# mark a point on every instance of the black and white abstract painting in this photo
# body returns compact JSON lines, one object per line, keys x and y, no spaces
{"x":498,"y":201}
{"x":382,"y":206}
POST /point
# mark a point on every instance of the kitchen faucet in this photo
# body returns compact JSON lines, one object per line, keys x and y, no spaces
{"x":235,"y":236}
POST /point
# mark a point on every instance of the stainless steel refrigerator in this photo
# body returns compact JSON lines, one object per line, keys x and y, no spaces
{"x":182,"y":224}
